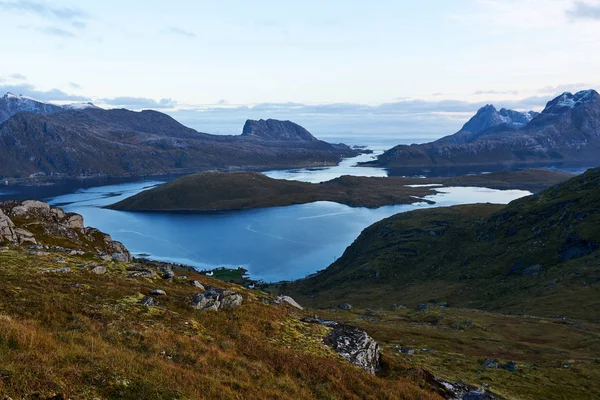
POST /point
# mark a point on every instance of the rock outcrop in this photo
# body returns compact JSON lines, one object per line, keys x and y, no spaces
{"x":272,"y":129}
{"x":352,"y":343}
{"x":34,"y":222}
{"x":216,"y":300}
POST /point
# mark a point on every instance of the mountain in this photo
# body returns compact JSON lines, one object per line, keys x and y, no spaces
{"x":487,"y":118}
{"x":567,"y":132}
{"x":272,"y":129}
{"x":537,"y":255}
{"x":87,"y":140}
{"x":11,"y":104}
{"x":219,"y":191}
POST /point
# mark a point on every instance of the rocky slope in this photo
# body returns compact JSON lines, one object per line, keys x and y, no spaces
{"x":217,"y":191}
{"x":567,"y":132}
{"x":90,"y":141}
{"x":80,"y":322}
{"x":538,"y":255}
{"x":41,"y":227}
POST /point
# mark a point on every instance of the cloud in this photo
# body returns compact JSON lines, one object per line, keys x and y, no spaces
{"x":405,"y":117}
{"x":42,"y":95}
{"x":18,"y":77}
{"x":181,"y":32}
{"x":569,"y":87}
{"x":583,"y":10}
{"x":137,"y":103}
{"x":44,"y":10}
{"x":75,"y":85}
{"x":53,"y":31}
{"x":503,"y":92}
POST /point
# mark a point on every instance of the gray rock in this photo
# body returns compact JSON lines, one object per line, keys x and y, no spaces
{"x":288,"y":300}
{"x":168,"y":275}
{"x":490,"y":363}
{"x":24,"y":236}
{"x":57,"y":270}
{"x":216,"y":300}
{"x":74,"y":221}
{"x":158,"y":292}
{"x":29,"y":206}
{"x":407,"y":350}
{"x":345,"y":306}
{"x":145,"y":273}
{"x":196,"y":284}
{"x":120,"y":257}
{"x":356,"y":346}
{"x":7,"y":233}
{"x":510,"y":366}
{"x":149,"y":301}
{"x":98,"y":269}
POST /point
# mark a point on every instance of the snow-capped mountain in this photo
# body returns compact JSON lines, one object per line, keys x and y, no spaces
{"x":10,"y":104}
{"x":566,"y":132}
{"x":569,"y":101}
{"x":489,"y":117}
{"x":79,"y":106}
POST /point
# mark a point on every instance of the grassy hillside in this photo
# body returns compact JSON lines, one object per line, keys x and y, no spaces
{"x":212,"y":191}
{"x":538,"y":255}
{"x":83,"y":335}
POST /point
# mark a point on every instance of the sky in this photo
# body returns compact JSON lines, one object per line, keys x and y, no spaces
{"x":378,"y":67}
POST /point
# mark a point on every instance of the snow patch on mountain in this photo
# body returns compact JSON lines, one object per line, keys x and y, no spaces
{"x":568,"y":100}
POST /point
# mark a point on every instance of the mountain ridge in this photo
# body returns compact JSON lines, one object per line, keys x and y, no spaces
{"x":566,"y":132}
{"x":47,"y":140}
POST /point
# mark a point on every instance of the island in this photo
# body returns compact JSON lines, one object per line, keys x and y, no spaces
{"x":220,"y":191}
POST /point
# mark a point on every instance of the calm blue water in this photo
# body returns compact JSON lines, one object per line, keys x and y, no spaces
{"x":274,"y":244}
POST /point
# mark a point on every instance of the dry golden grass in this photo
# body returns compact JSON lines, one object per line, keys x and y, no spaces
{"x":83,"y":335}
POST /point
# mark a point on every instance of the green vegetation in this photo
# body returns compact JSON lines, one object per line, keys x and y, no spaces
{"x":555,"y":358}
{"x":538,"y":255}
{"x":82,"y":335}
{"x":213,"y":191}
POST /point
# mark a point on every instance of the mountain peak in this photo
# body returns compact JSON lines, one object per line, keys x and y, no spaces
{"x":568,"y":100}
{"x":272,"y":129}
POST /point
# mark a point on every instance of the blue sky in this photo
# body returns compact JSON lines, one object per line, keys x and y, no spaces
{"x":380,"y":66}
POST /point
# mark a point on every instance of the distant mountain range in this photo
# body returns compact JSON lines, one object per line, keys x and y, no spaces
{"x":39,"y":139}
{"x":567,"y":131}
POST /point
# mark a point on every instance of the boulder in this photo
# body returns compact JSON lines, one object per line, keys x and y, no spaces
{"x":98,"y":269}
{"x":356,"y":346}
{"x":345,"y":306}
{"x":24,"y":236}
{"x":216,"y":300}
{"x":7,"y":233}
{"x":510,"y":366}
{"x":74,"y":221}
{"x":120,"y":257}
{"x":31,"y":206}
{"x":149,"y":301}
{"x":196,"y":284}
{"x":158,"y":292}
{"x":288,"y":300}
{"x":490,"y":363}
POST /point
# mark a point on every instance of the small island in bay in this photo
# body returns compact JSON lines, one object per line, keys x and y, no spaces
{"x":220,"y":191}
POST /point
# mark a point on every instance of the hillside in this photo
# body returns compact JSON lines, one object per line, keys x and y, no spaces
{"x":80,"y":319}
{"x":538,"y":255}
{"x":565,"y":133}
{"x":40,"y":139}
{"x":216,"y":191}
